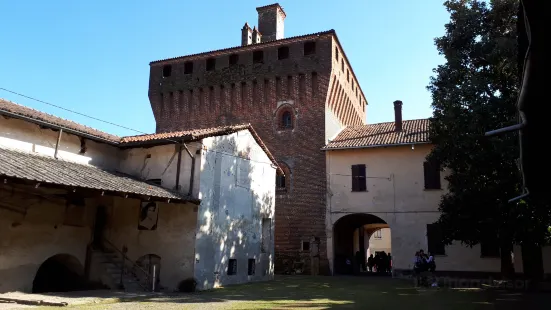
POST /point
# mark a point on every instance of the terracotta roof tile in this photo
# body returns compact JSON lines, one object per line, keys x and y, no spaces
{"x":11,"y":108}
{"x":48,"y":170}
{"x":382,"y":134}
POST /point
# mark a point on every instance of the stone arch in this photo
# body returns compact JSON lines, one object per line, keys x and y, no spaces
{"x":285,"y":117}
{"x":348,"y":237}
{"x":60,"y":273}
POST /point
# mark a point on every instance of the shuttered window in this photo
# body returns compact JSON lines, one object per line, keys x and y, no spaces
{"x":435,"y":240}
{"x":359,"y":182}
{"x":432,"y":175}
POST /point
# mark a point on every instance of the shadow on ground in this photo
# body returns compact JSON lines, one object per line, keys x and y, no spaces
{"x":306,"y":292}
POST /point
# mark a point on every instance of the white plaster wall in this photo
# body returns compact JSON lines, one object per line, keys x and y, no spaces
{"x":161,"y":162}
{"x":396,"y":194}
{"x":173,"y":240}
{"x":29,"y":137}
{"x":332,"y":125}
{"x":517,"y":260}
{"x":31,"y":231}
{"x":237,"y":189}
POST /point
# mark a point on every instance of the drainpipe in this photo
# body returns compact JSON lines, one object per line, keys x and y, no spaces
{"x":178,"y":166}
{"x":57,"y":143}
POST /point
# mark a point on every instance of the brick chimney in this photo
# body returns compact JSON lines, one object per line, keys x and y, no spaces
{"x":246,"y":35}
{"x":270,"y":22}
{"x":398,"y":115}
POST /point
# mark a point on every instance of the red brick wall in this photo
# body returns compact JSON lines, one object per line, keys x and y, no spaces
{"x":249,"y":93}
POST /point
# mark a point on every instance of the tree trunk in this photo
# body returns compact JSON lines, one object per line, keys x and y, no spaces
{"x":507,"y":267}
{"x":532,"y":263}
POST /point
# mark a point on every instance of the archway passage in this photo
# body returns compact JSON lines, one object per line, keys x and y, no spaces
{"x":60,"y":273}
{"x":356,"y":236}
{"x":150,"y":264}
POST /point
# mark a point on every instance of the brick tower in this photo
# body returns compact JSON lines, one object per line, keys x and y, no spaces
{"x":297,"y":93}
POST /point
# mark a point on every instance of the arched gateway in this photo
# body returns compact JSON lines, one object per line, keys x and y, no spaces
{"x":356,"y":232}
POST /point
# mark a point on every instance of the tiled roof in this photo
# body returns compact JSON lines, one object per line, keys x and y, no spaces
{"x":251,"y":46}
{"x":47,"y":170}
{"x":13,"y":109}
{"x":382,"y":134}
{"x":197,"y":134}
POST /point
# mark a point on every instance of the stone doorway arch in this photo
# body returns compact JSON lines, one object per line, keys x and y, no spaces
{"x":60,"y":273}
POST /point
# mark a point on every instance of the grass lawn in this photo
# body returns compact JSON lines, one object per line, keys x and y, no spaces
{"x":306,"y":292}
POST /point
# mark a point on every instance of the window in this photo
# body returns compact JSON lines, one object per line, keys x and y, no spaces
{"x":167,"y":70}
{"x":342,"y":65}
{"x":490,"y":247}
{"x":435,"y":241}
{"x":283,"y":52}
{"x":188,"y":67}
{"x":258,"y":57}
{"x":211,"y":64}
{"x":359,"y":183}
{"x":266,"y":235}
{"x":347,"y":75}
{"x":305,"y":245}
{"x":336,"y":53}
{"x":287,"y":120}
{"x":154,"y":181}
{"x":309,"y":48}
{"x":251,"y":267}
{"x":234,"y":58}
{"x":432,"y":175}
{"x":280,"y":182}
{"x":232,"y":267}
{"x":378,"y":234}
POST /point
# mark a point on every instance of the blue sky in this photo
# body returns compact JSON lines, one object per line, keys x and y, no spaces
{"x":93,"y":56}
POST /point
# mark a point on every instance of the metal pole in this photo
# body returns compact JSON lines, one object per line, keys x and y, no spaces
{"x":154,"y":278}
{"x":57,"y":143}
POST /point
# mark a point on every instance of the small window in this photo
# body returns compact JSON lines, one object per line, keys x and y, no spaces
{"x":188,"y":67}
{"x":211,"y":64}
{"x":378,"y":234}
{"x":347,"y":75}
{"x":309,"y":48}
{"x":359,"y":180}
{"x":283,"y":52}
{"x":167,"y":70}
{"x":251,"y":268}
{"x":154,"y":181}
{"x":234,"y":58}
{"x":435,"y":240}
{"x":432,"y":175}
{"x":342,"y":65}
{"x":305,"y":245}
{"x":287,"y":120}
{"x":280,"y":182}
{"x":258,"y":57}
{"x":232,"y":267}
{"x":336,"y":53}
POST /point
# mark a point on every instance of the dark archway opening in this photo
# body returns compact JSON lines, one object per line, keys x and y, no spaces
{"x":60,"y":273}
{"x":351,"y":235}
{"x":149,"y":270}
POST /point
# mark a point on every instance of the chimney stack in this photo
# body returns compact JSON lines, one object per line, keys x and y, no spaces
{"x":257,"y":36}
{"x":270,"y":22}
{"x":246,"y":35}
{"x":398,"y":115}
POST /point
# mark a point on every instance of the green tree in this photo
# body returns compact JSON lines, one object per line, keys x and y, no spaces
{"x":473,"y":92}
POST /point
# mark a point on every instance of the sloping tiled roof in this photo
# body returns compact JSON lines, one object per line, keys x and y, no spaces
{"x":48,"y":170}
{"x":382,"y":134}
{"x":13,"y":109}
{"x":197,"y":134}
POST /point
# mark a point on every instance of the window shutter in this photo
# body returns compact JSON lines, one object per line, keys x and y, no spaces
{"x":431,"y":171}
{"x":354,"y":178}
{"x":435,"y":241}
{"x":362,"y":186}
{"x":426,"y":170}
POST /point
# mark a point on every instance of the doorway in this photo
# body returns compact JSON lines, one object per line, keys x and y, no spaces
{"x":99,"y":227}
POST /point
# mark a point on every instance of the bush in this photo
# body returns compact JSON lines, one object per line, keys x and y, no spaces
{"x":187,"y":286}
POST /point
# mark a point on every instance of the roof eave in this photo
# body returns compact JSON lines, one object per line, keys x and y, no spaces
{"x":371,"y":146}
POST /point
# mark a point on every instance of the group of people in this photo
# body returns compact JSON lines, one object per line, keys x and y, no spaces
{"x":423,"y":263}
{"x":380,"y":263}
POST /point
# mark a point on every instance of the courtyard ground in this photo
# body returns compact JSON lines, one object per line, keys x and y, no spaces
{"x":306,"y":292}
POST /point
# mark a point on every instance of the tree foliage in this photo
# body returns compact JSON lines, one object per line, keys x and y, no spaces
{"x":475,"y":91}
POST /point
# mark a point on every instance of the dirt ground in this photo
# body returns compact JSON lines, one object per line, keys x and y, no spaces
{"x":307,"y":292}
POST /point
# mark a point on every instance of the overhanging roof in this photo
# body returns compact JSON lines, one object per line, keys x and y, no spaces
{"x":16,"y":164}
